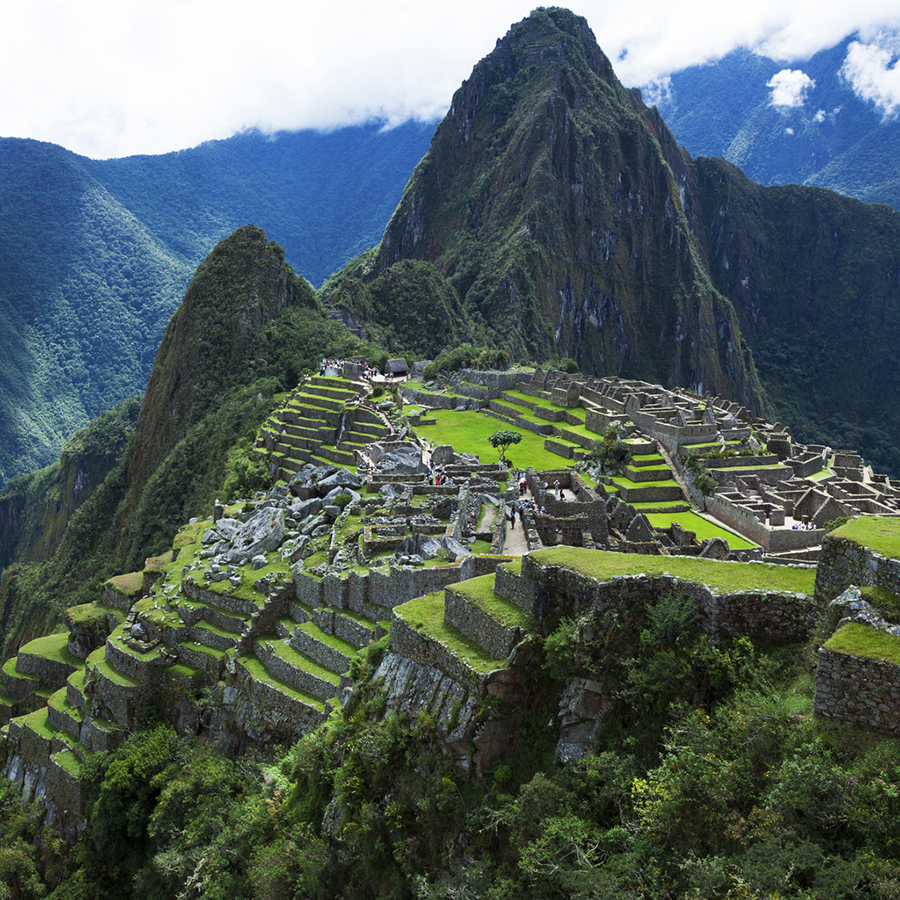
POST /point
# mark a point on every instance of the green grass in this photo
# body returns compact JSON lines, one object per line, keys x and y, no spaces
{"x":619,"y":481}
{"x":702,"y":527}
{"x":9,"y":668}
{"x":52,"y":646}
{"x":38,"y":721}
{"x":480,"y":548}
{"x":855,"y":639}
{"x":69,"y":761}
{"x":114,"y":675}
{"x":718,"y":576}
{"x":878,"y":533}
{"x":480,"y":593}
{"x":298,"y":660}
{"x":468,"y":432}
{"x":886,"y":602}
{"x":127,"y":585}
{"x":426,"y":614}
{"x":258,"y":672}
{"x":335,"y":643}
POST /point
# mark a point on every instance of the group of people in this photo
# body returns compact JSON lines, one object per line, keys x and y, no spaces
{"x":804,"y":526}
{"x":520,"y":509}
{"x":366,"y":372}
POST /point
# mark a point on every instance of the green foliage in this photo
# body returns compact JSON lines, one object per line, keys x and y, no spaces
{"x":466,"y":356}
{"x":609,"y":451}
{"x":560,"y":649}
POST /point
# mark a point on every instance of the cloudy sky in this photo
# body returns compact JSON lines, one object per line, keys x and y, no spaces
{"x":112,"y":78}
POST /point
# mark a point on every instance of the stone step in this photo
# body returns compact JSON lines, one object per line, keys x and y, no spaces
{"x":331,"y":392}
{"x":15,"y":684}
{"x":296,"y":669}
{"x":650,"y":459}
{"x":349,"y":626}
{"x":129,"y":661}
{"x":36,"y":737}
{"x":419,"y":632}
{"x":337,"y":456}
{"x":310,"y":401}
{"x":299,"y":612}
{"x":233,"y":621}
{"x":62,"y":715}
{"x":366,"y":432}
{"x":212,"y":636}
{"x":49,"y":658}
{"x":275,"y":700}
{"x":494,"y":623}
{"x":326,"y":649}
{"x":209,"y":660}
{"x":75,"y":690}
{"x":99,"y":734}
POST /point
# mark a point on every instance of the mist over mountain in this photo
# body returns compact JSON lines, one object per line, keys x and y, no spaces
{"x":95,"y":255}
{"x":800,"y":121}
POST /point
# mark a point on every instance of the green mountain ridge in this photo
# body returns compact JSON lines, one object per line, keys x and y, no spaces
{"x":96,"y":254}
{"x":832,"y":139}
{"x":571,"y":225}
{"x":710,"y":776}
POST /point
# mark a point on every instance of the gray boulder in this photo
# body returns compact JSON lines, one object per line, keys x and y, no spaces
{"x":340,"y":479}
{"x":423,"y":545}
{"x":262,"y":533}
{"x":455,"y":550}
{"x":404,"y":460}
{"x":300,"y":509}
{"x":443,"y":455}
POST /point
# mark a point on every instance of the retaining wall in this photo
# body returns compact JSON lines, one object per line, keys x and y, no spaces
{"x":864,"y":692}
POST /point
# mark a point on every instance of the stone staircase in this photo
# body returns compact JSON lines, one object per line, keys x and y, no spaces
{"x":319,"y":423}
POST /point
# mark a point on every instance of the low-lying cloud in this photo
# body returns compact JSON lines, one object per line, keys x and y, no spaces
{"x":872,"y":70}
{"x":789,"y":87}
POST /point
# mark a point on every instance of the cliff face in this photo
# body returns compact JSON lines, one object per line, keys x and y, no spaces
{"x":553,"y":202}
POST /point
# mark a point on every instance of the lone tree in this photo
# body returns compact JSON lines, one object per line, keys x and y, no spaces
{"x":501,"y":440}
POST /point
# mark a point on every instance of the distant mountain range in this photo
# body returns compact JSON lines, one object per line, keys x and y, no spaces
{"x":822,"y":133}
{"x":96,"y":255}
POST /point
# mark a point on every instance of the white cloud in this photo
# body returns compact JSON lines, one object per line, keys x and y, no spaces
{"x":789,"y":87}
{"x":872,"y":69}
{"x":115,"y":77}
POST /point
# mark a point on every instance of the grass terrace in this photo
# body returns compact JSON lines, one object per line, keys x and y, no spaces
{"x":725,"y":577}
{"x":468,"y":432}
{"x":426,"y":614}
{"x":128,"y":585}
{"x":480,"y":593}
{"x":52,"y":646}
{"x":703,"y":528}
{"x":258,"y":672}
{"x":859,"y":640}
{"x":878,"y":533}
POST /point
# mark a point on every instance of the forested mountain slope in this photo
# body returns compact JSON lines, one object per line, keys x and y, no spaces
{"x":570,"y":224}
{"x":96,"y":254}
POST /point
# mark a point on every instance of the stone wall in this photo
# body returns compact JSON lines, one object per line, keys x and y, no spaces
{"x":514,"y":587}
{"x":500,"y":381}
{"x":422,"y":648}
{"x":487,"y":632}
{"x":769,"y":616}
{"x":864,"y":692}
{"x":745,"y":522}
{"x":844,"y":562}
